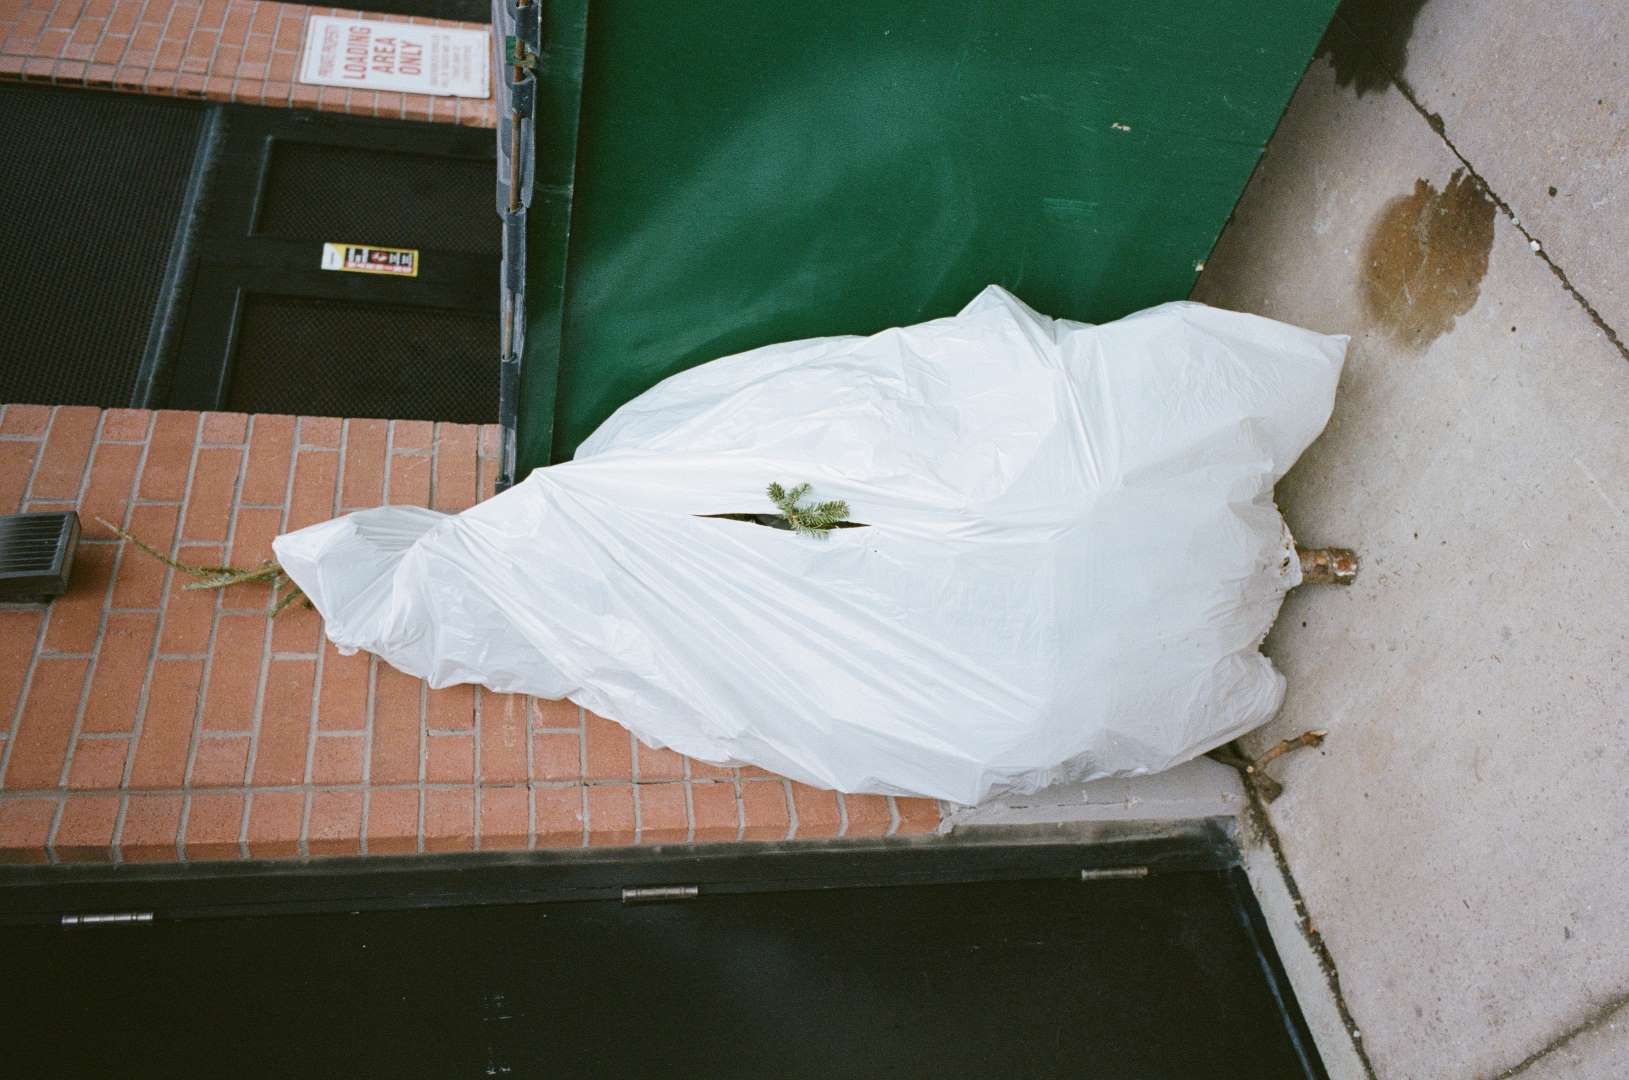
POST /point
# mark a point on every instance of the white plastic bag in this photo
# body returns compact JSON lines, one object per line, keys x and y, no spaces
{"x":1071,"y":553}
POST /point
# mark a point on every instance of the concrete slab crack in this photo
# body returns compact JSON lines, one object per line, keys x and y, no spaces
{"x":1590,"y":1022}
{"x":1262,"y":826}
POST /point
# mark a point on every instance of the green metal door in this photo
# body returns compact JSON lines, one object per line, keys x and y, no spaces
{"x":714,"y":176}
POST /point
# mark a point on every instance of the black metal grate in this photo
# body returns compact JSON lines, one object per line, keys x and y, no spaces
{"x":328,"y":358}
{"x":317,"y":191}
{"x":36,"y":554}
{"x":108,"y":172}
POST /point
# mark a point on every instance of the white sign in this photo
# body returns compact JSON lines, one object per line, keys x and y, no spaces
{"x":371,"y":54}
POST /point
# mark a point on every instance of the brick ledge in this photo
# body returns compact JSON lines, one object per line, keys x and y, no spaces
{"x":140,"y":721}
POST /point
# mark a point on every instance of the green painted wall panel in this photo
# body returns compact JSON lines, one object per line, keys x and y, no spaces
{"x":754,"y":172}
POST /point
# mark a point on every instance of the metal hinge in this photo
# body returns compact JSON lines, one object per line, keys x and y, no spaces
{"x":650,"y":894}
{"x":1114,"y":873}
{"x":111,"y":918}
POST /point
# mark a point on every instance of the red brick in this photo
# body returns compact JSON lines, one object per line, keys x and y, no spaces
{"x":704,"y":770}
{"x":818,"y":813}
{"x":214,"y":824}
{"x":214,"y":485}
{"x":559,"y":817}
{"x":41,"y":744}
{"x":236,"y":27}
{"x":18,"y":631}
{"x":126,"y":424}
{"x":67,"y":448}
{"x":169,"y":456}
{"x":338,"y":759}
{"x":609,"y":753}
{"x":189,"y":614}
{"x":25,"y":825}
{"x":451,"y":708}
{"x":274,"y":824}
{"x":503,"y":738}
{"x":16,"y":463}
{"x":271,"y":443}
{"x":131,"y":75}
{"x":393,"y":821}
{"x":296,"y":629}
{"x":234,"y":673}
{"x":98,"y":764}
{"x":323,"y":431}
{"x":38,"y":70}
{"x":289,"y":33}
{"x":416,"y":107}
{"x":396,"y":728}
{"x":610,"y":815}
{"x":107,"y":496}
{"x":77,"y":614}
{"x":25,"y":420}
{"x":195,"y":60}
{"x":212,"y":15}
{"x":557,"y":714}
{"x":557,"y":756}
{"x":85,"y":833}
{"x":717,"y":816}
{"x":301,"y":96}
{"x":388,"y":104}
{"x":364,"y":480}
{"x":166,"y":727}
{"x":505,"y":818}
{"x":121,"y":669}
{"x":312,"y":498}
{"x":72,"y":70}
{"x":335,"y":826}
{"x":221,"y":762}
{"x":763,"y":806}
{"x":409,"y":480}
{"x":455,"y":467}
{"x":275,"y":93}
{"x":146,"y":37}
{"x":663,"y":817}
{"x":342,"y":700}
{"x":657,"y":764}
{"x":868,"y":815}
{"x":917,"y":816}
{"x":285,"y":723}
{"x":152,"y":824}
{"x":108,"y":51}
{"x":251,"y":546}
{"x":450,"y":759}
{"x":449,"y":820}
{"x":141,"y":577}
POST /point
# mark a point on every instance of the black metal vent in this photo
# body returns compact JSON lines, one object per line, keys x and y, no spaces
{"x":36,"y":555}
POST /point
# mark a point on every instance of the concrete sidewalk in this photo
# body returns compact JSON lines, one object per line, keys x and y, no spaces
{"x":1449,"y":187}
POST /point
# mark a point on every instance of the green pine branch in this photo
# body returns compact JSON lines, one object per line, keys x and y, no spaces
{"x":812,"y":520}
{"x":219,"y":577}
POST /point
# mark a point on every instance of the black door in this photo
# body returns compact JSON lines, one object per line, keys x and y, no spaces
{"x":268,"y":329}
{"x":1000,"y":963}
{"x":169,"y":254}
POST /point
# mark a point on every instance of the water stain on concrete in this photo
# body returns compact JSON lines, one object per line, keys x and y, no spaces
{"x":1425,"y":258}
{"x":1367,"y":42}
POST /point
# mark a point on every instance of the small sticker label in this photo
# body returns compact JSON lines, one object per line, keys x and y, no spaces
{"x":371,"y":259}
